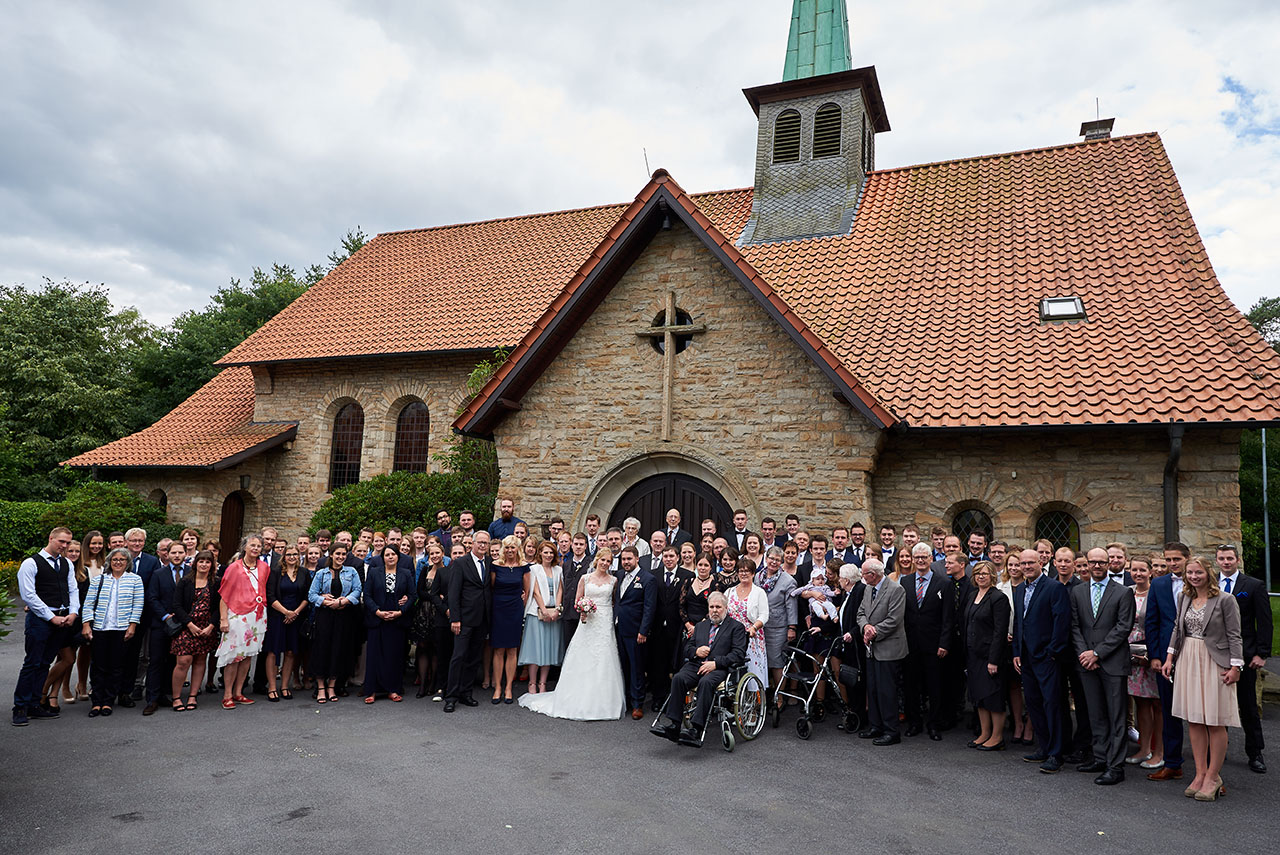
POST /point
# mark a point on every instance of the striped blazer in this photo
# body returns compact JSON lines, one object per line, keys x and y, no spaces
{"x":129,"y":601}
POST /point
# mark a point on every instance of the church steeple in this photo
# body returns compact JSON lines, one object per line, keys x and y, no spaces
{"x":816,"y":139}
{"x":819,"y":39}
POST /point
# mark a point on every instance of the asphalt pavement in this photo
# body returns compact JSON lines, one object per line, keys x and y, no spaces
{"x":298,"y":777}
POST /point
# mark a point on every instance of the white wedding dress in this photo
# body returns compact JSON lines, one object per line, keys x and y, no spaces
{"x":590,"y":686}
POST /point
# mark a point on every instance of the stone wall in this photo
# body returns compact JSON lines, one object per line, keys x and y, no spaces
{"x":1111,"y":482}
{"x":751,"y":410}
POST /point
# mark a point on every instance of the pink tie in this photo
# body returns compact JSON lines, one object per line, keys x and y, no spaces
{"x":919,"y":590}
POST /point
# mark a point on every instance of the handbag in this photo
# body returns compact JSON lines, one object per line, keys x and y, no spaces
{"x":173,"y":626}
{"x":1137,"y":651}
{"x":849,"y":675}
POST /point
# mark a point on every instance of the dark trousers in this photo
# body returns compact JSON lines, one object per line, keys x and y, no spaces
{"x":468,"y":644}
{"x":1172,"y":726}
{"x":1041,"y":688}
{"x":882,"y":695}
{"x":442,"y":637}
{"x":1077,"y":736}
{"x":569,"y":627}
{"x":106,"y":668}
{"x":632,"y":654}
{"x":954,"y":687}
{"x":923,"y":681}
{"x":160,"y":664}
{"x":661,"y":655}
{"x":684,"y":680}
{"x":43,"y":641}
{"x":1108,"y":699}
{"x":1247,"y":697}
{"x":132,"y":656}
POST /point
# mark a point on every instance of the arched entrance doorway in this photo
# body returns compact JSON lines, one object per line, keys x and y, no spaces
{"x":650,"y":499}
{"x":231,"y":528}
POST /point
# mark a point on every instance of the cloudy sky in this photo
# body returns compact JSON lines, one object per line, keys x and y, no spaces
{"x":163,"y":149}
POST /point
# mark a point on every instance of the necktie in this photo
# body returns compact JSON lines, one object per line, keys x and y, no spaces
{"x":669,"y":575}
{"x":874,"y":591}
{"x":1026,"y":598}
{"x":1226,"y":586}
{"x":711,"y":639}
{"x":1097,"y":596}
{"x":919,"y":590}
{"x":957,"y":593}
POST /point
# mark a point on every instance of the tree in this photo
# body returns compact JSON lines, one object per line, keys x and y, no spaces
{"x":64,"y":381}
{"x":1265,"y":316}
{"x":475,"y":460}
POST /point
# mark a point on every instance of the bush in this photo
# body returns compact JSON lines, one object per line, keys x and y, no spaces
{"x":103,"y":505}
{"x":8,"y":590}
{"x":20,"y":532}
{"x":402,"y":499}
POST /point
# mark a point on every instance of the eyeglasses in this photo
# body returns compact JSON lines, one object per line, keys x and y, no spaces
{"x":1095,"y":561}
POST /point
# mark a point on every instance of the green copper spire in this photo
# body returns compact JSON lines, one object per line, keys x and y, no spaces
{"x":819,"y":39}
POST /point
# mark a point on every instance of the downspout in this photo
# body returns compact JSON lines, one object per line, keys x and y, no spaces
{"x":1171,"y":483}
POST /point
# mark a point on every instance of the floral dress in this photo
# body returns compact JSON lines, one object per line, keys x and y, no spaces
{"x":757,"y":661}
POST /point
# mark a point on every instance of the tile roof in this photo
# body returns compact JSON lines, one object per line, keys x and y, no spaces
{"x":213,"y":429}
{"x":932,"y":299}
{"x":929,"y":306}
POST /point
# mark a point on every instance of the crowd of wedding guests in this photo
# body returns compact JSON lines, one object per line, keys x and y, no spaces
{"x":1078,"y":657}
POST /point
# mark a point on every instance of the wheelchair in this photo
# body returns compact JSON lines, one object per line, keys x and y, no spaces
{"x":739,"y":704}
{"x":818,"y":672}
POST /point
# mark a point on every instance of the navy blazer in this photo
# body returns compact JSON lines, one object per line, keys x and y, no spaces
{"x":1162,"y":615}
{"x":146,"y":565}
{"x":1045,"y":632}
{"x":633,"y":612}
{"x":160,"y":596}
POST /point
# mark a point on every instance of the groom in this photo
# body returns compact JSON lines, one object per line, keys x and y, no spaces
{"x":635,"y":601}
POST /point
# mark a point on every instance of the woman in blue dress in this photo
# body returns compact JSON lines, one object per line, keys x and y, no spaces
{"x":507,"y":581}
{"x":287,"y":588}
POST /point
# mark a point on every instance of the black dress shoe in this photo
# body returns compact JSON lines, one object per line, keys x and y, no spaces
{"x":668,"y":731}
{"x":689,"y":737}
{"x":934,"y":735}
{"x":126,"y":702}
{"x":1077,"y":757}
{"x":1050,"y":766}
{"x":1256,"y":764}
{"x":999,"y":746}
{"x":450,"y":705}
{"x":421,"y":693}
{"x":1094,"y":767}
{"x":1109,"y":777}
{"x":869,"y":733}
{"x":886,"y":740}
{"x":1035,"y":757}
{"x":914,"y":730}
{"x":468,"y":701}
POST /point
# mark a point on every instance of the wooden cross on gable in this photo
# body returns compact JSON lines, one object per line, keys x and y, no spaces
{"x":671,"y":334}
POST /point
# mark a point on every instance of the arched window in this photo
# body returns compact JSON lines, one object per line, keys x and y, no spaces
{"x":826,"y":131}
{"x":159,"y":497}
{"x":968,"y":521}
{"x":1059,"y":528}
{"x":344,"y":452}
{"x":411,"y":439}
{"x":786,"y":137}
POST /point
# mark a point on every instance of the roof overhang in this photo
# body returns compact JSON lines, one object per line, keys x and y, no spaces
{"x":287,"y":435}
{"x":859,"y":78}
{"x":661,"y":199}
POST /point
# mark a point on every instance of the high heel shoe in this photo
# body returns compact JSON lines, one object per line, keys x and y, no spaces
{"x":1190,"y":791}
{"x":1211,"y":794}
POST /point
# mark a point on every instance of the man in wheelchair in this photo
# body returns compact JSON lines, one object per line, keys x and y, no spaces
{"x":716,"y":647}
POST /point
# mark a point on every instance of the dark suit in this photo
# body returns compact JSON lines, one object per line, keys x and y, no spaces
{"x":1077,"y":736}
{"x":1255,"y":633}
{"x":1039,"y":638}
{"x":854,"y":652}
{"x":728,"y":651}
{"x":984,"y":632}
{"x":468,"y":599}
{"x":929,"y":628}
{"x":679,"y":538}
{"x":573,"y":570}
{"x":738,"y":539}
{"x":633,"y":614}
{"x":144,"y":565}
{"x":1162,"y":614}
{"x":953,"y":682}
{"x":1106,"y":687}
{"x":667,"y":630}
{"x":846,"y":556}
{"x":160,"y":664}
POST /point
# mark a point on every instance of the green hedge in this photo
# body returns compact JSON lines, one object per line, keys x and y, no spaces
{"x":402,"y":499}
{"x":104,"y":505}
{"x":20,"y":532}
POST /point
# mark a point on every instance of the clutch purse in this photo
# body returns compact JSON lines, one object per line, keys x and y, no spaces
{"x":1138,"y":651}
{"x":173,"y":626}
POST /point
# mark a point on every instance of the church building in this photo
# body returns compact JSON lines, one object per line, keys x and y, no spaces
{"x":1031,"y":343}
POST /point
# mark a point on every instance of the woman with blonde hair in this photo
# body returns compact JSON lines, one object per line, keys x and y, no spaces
{"x":507,"y":581}
{"x":1208,"y":652}
{"x":542,"y":645}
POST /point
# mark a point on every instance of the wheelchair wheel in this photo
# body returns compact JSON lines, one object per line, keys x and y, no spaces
{"x":803,"y":728}
{"x":749,"y":706}
{"x":726,"y":736}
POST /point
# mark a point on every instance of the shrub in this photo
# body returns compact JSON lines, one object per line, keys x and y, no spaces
{"x":103,"y":505}
{"x":8,"y":590}
{"x":20,"y":532}
{"x":403,"y":499}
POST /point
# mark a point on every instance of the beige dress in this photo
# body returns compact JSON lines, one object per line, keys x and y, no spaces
{"x":1199,"y":695}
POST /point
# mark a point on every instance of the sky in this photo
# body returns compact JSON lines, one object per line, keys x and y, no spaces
{"x":164,"y":149}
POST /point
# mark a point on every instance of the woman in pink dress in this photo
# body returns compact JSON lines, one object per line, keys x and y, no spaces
{"x":243,"y":593}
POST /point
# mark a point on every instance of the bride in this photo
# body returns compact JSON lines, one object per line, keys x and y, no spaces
{"x":590,"y":686}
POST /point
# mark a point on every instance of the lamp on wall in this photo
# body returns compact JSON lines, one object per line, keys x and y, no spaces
{"x":244,"y":482}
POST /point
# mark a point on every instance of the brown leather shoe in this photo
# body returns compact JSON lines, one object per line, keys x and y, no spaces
{"x":1166,"y":774}
{"x":637,"y":714}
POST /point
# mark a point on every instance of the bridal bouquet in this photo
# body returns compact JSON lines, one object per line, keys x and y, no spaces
{"x":586,"y":606}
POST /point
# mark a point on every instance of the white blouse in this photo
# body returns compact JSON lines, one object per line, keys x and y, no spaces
{"x":757,"y":603}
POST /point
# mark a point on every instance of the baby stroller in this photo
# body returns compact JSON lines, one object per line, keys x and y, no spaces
{"x":819,"y":673}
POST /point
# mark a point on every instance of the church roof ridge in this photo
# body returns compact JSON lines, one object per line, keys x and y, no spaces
{"x":1016,"y":153}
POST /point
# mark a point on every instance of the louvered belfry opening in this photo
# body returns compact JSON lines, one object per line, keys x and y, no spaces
{"x":826,"y":131}
{"x":786,"y":137}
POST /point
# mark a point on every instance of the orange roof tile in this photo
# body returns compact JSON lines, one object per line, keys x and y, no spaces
{"x":213,"y":429}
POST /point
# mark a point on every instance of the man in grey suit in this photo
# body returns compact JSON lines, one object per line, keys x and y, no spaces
{"x":1101,"y":618}
{"x":881,"y":622}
